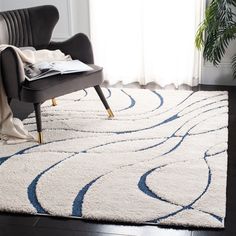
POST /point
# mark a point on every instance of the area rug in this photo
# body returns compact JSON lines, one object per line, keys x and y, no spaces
{"x":161,"y":160}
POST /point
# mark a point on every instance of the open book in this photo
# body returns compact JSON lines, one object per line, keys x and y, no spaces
{"x":46,"y":69}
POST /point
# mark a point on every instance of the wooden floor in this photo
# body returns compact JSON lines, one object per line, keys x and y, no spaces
{"x":12,"y":224}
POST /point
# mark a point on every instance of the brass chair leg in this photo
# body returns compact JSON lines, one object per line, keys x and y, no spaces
{"x":104,"y":101}
{"x":40,"y":137}
{"x":54,"y":102}
{"x":110,"y":113}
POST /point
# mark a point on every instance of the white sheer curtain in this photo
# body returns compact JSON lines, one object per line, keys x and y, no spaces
{"x":147,"y":40}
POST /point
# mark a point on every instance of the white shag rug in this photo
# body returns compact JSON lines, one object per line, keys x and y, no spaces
{"x":161,"y":160}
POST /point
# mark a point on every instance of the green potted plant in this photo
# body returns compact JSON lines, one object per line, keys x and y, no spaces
{"x":217,"y":30}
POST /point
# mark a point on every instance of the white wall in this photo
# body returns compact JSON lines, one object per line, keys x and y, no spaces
{"x":74,"y":14}
{"x":80,"y":16}
{"x":221,"y":75}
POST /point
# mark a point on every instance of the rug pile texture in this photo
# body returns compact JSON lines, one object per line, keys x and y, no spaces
{"x":161,"y":160}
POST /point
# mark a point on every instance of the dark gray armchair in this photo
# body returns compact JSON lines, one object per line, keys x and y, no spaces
{"x":33,"y":27}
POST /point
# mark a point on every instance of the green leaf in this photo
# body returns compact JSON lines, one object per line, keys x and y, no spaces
{"x":217,"y":30}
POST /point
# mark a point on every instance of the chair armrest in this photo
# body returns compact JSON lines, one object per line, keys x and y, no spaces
{"x":10,"y":72}
{"x":78,"y":46}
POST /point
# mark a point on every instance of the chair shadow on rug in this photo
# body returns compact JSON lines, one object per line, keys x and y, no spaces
{"x":33,"y":27}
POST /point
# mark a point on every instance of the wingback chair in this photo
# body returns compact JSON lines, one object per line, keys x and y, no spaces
{"x":33,"y":27}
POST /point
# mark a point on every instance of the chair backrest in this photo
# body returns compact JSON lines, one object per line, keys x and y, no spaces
{"x":29,"y":26}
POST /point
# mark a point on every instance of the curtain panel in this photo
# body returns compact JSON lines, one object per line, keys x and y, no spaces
{"x":147,"y":40}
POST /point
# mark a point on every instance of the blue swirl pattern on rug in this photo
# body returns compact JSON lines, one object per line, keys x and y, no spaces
{"x":152,"y":132}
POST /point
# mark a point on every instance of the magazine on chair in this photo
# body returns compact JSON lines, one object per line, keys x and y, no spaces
{"x":46,"y":69}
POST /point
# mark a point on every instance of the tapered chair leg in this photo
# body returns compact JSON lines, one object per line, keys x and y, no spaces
{"x":104,"y":101}
{"x":37,"y":109}
{"x":54,"y":102}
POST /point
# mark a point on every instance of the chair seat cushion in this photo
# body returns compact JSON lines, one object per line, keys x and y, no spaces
{"x":58,"y":85}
